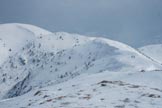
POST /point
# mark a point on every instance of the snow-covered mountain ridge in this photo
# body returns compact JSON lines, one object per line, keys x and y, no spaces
{"x":33,"y":59}
{"x":153,"y":51}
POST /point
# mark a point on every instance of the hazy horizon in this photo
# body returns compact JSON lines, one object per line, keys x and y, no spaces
{"x":134,"y":22}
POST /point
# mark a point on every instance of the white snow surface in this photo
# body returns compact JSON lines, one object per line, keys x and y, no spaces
{"x":15,"y":36}
{"x":153,"y":51}
{"x":40,"y":69}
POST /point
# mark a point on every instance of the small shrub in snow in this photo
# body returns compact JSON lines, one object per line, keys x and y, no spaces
{"x":4,"y":80}
{"x":22,"y":61}
{"x":56,"y":69}
{"x":10,"y":50}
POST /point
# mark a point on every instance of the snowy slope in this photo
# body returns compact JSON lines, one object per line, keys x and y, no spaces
{"x":153,"y":51}
{"x":40,"y":60}
{"x":101,"y":90}
{"x":14,"y":36}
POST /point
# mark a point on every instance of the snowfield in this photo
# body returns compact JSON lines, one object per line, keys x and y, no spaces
{"x":41,"y":69}
{"x":153,"y":51}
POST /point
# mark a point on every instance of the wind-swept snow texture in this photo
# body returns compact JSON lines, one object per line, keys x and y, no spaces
{"x":40,"y":69}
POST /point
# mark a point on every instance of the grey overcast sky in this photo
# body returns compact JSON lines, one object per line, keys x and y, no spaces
{"x":135,"y":22}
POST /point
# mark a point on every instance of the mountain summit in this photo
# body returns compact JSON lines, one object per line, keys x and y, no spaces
{"x":40,"y":69}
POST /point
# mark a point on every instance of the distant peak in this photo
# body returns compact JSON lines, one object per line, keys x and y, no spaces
{"x":32,"y":28}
